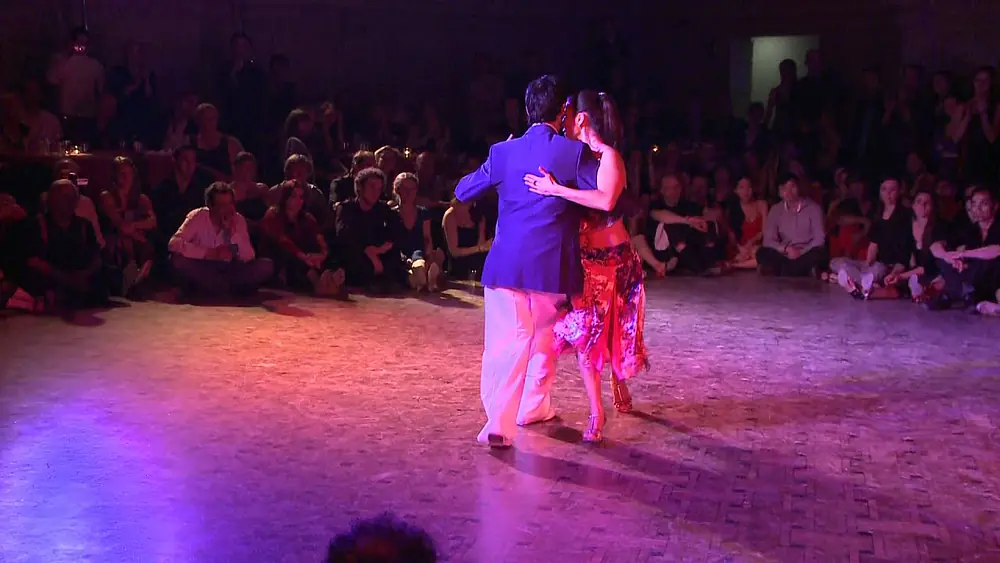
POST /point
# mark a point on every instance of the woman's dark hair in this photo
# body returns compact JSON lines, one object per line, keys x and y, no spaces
{"x":288,"y":188}
{"x":927,"y":238}
{"x":295,"y":117}
{"x":543,"y":100}
{"x":735,"y":210}
{"x":384,"y":539}
{"x":295,"y":160}
{"x":602,"y":112}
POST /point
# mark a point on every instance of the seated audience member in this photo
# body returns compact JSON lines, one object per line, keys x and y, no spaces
{"x":252,"y":197}
{"x":176,"y":196}
{"x":848,"y":222}
{"x":365,"y":235}
{"x":889,"y":250}
{"x":680,"y":234}
{"x":382,"y":540}
{"x":948,"y":206}
{"x":66,"y":169}
{"x":12,"y":217}
{"x":465,"y":235}
{"x":211,"y":251}
{"x":971,"y":271}
{"x":793,"y":234}
{"x":291,"y":238}
{"x":746,"y":226}
{"x":299,"y":168}
{"x":921,"y":277}
{"x":63,"y":257}
{"x":128,"y":218}
{"x":342,"y":189}
{"x":413,"y":238}
{"x":389,"y":161}
{"x":431,"y":190}
{"x":215,"y":150}
{"x":180,"y":124}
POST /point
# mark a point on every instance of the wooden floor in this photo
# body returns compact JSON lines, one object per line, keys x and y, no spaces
{"x":782,"y":421}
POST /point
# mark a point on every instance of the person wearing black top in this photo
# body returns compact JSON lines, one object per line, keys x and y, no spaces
{"x":365,"y":233}
{"x":679,"y":234}
{"x":971,"y":271}
{"x":924,"y":230}
{"x":889,"y":249}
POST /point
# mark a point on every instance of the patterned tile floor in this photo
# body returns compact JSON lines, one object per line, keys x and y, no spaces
{"x":781,"y":422}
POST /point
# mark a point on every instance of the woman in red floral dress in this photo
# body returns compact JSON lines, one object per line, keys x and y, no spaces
{"x":605,"y":322}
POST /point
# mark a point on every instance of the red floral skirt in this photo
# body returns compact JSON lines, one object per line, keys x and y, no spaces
{"x":605,"y":321}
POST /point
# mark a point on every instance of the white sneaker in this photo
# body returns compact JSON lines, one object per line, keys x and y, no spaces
{"x":433,"y":275}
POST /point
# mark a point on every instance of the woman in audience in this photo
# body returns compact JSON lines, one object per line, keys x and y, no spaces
{"x":127,"y":217}
{"x":291,"y":237}
{"x":977,"y":129}
{"x":181,"y":123}
{"x":921,"y":276}
{"x":848,"y":223}
{"x":216,"y":150}
{"x":414,"y":241}
{"x":889,"y":251}
{"x":466,"y":238}
{"x":746,"y":226}
{"x":251,"y":195}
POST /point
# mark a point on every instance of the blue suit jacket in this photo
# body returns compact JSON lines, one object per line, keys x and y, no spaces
{"x":537,"y":244}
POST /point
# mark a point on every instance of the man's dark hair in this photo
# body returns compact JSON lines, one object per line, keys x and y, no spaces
{"x":786,"y":177}
{"x":384,"y":539}
{"x":243,"y":157}
{"x":215,"y":190}
{"x":543,"y":100}
{"x":365,"y":175}
{"x":359,"y":159}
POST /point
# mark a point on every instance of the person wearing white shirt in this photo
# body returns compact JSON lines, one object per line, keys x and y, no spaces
{"x":211,"y":252}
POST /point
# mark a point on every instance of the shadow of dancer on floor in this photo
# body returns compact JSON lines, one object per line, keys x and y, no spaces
{"x":763,"y":501}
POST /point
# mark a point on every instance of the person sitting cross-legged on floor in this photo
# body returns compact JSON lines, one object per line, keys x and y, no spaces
{"x":793,"y":234}
{"x":211,"y":252}
{"x":291,"y":237}
{"x":63,"y":255}
{"x":889,"y":251}
{"x":971,"y":271}
{"x":365,"y":232}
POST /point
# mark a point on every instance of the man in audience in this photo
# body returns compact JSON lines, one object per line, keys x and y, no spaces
{"x":971,"y":271}
{"x":211,"y":251}
{"x":80,"y":81}
{"x":365,"y":234}
{"x":63,"y":257}
{"x":342,"y":189}
{"x":679,"y":234}
{"x":794,"y":234}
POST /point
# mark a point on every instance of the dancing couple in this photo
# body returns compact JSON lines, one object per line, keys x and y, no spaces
{"x":560,"y":240}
